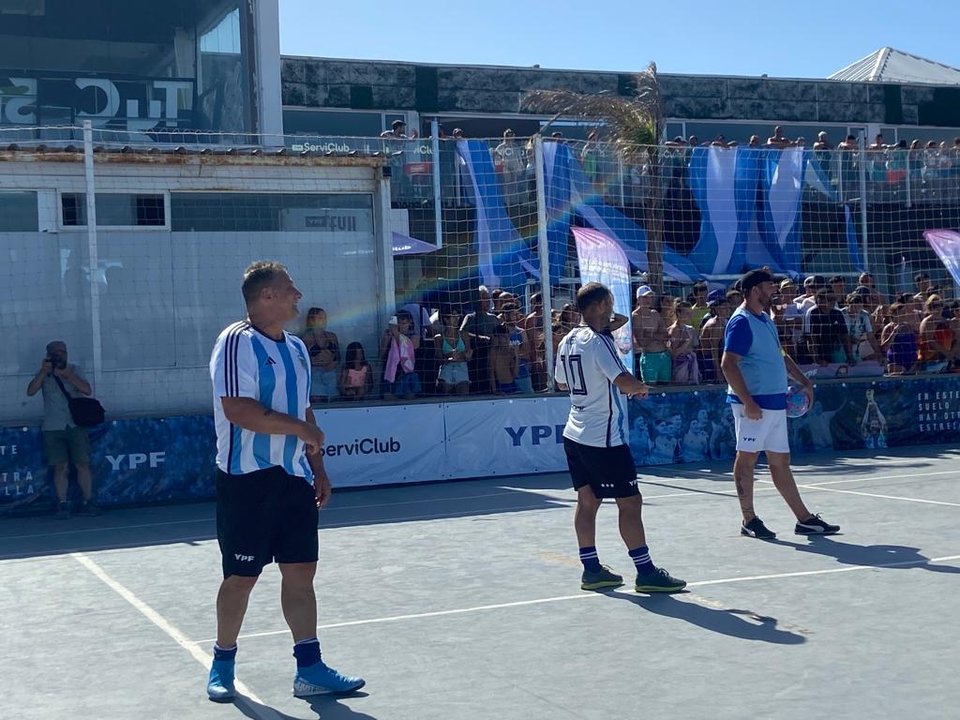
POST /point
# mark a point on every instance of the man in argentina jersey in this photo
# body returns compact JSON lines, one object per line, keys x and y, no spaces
{"x":270,"y":479}
{"x":756,"y":368}
{"x":595,"y":442}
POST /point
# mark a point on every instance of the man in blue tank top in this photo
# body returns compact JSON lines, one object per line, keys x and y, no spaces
{"x":756,"y":368}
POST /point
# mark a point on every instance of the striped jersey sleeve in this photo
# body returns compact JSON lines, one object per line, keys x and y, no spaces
{"x":234,"y":364}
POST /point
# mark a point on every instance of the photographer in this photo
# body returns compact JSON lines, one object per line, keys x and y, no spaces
{"x":63,"y":441}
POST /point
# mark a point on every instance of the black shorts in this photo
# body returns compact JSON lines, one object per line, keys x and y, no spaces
{"x":609,"y":471}
{"x":264,"y":516}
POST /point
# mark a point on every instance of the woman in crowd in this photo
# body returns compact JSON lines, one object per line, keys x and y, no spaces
{"x":899,"y":341}
{"x":682,"y":343}
{"x":935,"y":347}
{"x":453,"y":352}
{"x":324,"y":349}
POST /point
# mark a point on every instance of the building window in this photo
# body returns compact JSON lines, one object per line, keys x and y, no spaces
{"x":272,"y":212}
{"x":18,"y":212}
{"x":115,"y":210}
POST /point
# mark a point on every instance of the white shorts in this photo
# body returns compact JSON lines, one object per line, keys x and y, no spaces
{"x":767,"y":433}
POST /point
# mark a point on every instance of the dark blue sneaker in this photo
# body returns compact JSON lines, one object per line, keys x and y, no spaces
{"x":756,"y":529}
{"x":318,"y":679}
{"x":220,"y":685}
{"x":815,"y":525}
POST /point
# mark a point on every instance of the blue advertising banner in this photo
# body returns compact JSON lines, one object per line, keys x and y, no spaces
{"x":697,"y":426}
{"x":151,"y":460}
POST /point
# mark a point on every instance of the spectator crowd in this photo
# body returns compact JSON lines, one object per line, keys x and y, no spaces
{"x":494,"y":343}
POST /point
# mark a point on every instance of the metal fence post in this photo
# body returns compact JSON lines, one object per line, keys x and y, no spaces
{"x":543,"y":253}
{"x":92,"y":251}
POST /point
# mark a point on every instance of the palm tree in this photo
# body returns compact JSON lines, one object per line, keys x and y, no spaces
{"x":634,"y":126}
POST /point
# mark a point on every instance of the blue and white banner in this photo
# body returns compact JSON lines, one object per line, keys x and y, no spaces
{"x":853,"y":240}
{"x":501,"y":252}
{"x":946,"y":244}
{"x":570,"y":194}
{"x":750,"y":202}
{"x":602,"y":260}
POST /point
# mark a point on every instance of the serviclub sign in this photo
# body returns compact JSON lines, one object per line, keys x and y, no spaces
{"x":135,"y":105}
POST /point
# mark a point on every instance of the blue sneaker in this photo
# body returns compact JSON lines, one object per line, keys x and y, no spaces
{"x":220,"y":685}
{"x":318,"y":679}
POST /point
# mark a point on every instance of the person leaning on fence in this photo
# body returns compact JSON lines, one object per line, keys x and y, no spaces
{"x":271,"y":479}
{"x":595,"y":443}
{"x":756,"y":369}
{"x":63,"y":441}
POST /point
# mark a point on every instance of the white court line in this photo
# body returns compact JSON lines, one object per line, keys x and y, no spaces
{"x":264,"y":712}
{"x":883,"y":497}
{"x":585,"y":595}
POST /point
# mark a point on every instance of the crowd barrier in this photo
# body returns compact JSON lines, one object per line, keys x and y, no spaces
{"x":156,"y":460}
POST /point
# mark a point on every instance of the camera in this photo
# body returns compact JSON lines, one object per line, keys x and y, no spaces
{"x":57,"y":362}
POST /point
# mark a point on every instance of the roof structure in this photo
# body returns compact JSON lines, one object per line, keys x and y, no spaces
{"x":895,"y":66}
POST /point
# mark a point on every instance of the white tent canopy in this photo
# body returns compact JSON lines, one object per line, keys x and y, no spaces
{"x":895,"y":66}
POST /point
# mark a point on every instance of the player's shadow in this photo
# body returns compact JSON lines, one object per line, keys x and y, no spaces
{"x":327,"y":707}
{"x":743,"y":624}
{"x":901,"y":557}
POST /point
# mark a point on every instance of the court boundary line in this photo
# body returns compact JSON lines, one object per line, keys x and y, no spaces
{"x":244,"y":693}
{"x":883,"y":497}
{"x":588,"y":594}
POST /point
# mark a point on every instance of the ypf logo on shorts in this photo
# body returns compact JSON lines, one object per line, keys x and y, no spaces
{"x":243,"y":558}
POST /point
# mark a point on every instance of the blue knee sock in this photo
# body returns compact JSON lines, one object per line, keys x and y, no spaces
{"x":588,"y":556}
{"x":220,"y":653}
{"x":641,"y":558}
{"x":307,"y":652}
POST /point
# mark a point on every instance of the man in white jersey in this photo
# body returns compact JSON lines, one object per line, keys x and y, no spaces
{"x":756,"y":369}
{"x":270,"y":479}
{"x":595,"y":443}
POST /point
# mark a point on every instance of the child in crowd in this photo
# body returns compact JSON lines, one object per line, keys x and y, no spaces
{"x":356,"y":378}
{"x":503,"y":363}
{"x":682,"y":342}
{"x":399,"y":370}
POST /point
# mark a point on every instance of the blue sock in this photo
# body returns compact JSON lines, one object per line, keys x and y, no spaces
{"x":307,"y":652}
{"x":588,"y":556}
{"x":641,"y":558}
{"x":220,"y":653}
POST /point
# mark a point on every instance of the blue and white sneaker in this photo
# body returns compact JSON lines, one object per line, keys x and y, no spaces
{"x":318,"y":679}
{"x":220,"y":685}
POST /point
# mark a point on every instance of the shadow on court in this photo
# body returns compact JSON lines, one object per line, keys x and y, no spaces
{"x":743,"y":624}
{"x":896,"y":557}
{"x":325,"y":706}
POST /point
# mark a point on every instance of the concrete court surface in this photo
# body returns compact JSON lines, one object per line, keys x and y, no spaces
{"x":462,"y":600}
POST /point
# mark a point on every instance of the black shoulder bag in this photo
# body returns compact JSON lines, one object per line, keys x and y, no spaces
{"x":85,"y":411}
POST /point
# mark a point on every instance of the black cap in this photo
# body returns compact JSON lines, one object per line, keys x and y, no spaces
{"x":753,"y":278}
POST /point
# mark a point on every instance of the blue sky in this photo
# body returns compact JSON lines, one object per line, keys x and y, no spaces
{"x":735,"y":37}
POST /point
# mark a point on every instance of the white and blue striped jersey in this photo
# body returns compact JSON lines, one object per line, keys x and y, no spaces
{"x":276,"y":373}
{"x":587,"y":363}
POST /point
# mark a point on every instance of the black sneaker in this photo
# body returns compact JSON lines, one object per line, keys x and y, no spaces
{"x":756,"y":529}
{"x":815,"y":525}
{"x":89,"y":509}
{"x":659,"y":581}
{"x":63,"y":511}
